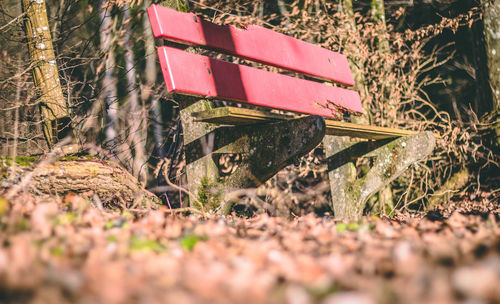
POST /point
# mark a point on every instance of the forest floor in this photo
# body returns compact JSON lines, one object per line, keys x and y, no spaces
{"x":57,"y":250}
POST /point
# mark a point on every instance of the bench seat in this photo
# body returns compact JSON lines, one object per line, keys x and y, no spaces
{"x":243,"y":116}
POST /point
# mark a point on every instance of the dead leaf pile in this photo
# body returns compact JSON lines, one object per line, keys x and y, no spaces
{"x":61,"y":251}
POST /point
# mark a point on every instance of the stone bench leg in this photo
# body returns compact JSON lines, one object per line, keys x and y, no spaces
{"x":265,"y":149}
{"x":392,"y":158}
{"x":203,"y":170}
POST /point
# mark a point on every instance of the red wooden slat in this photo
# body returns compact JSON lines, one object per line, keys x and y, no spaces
{"x":254,"y":43}
{"x":199,"y":75}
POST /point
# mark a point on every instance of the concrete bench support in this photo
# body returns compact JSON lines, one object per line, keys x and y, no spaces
{"x":392,"y":158}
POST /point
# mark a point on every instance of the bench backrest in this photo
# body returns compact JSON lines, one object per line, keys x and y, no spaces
{"x":193,"y":74}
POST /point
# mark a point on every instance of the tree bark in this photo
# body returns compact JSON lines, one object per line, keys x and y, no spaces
{"x":136,"y":135}
{"x":150,"y":80}
{"x":378,"y":15}
{"x":108,"y":94}
{"x":492,"y":34}
{"x":356,"y":66}
{"x":45,"y":70}
{"x":385,"y":199}
{"x":491,"y":17}
{"x":341,"y":176}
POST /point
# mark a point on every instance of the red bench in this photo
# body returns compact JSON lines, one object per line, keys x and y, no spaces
{"x":268,"y":141}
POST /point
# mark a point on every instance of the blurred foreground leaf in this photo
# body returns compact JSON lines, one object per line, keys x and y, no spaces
{"x":137,"y":244}
{"x":188,"y":242}
{"x":4,"y":206}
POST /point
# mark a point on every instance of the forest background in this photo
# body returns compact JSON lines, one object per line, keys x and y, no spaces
{"x":419,"y":65}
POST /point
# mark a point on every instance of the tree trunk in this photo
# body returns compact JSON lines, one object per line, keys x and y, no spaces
{"x":492,"y":35}
{"x":491,"y":17}
{"x":108,"y":93}
{"x":136,"y":136}
{"x":357,"y":68}
{"x":150,"y":80}
{"x":342,"y":176}
{"x":378,"y":15}
{"x":385,"y":199}
{"x":45,"y":70}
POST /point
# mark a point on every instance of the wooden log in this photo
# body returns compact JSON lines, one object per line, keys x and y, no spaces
{"x":86,"y":176}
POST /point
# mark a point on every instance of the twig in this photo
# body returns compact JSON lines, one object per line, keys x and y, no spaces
{"x":409,"y":188}
{"x":18,"y":74}
{"x":167,"y":179}
{"x":12,"y":21}
{"x":182,"y":210}
{"x":161,"y":189}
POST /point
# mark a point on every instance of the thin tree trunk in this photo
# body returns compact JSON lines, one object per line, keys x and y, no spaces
{"x":491,"y":17}
{"x":150,"y":77}
{"x":149,"y":45}
{"x":383,"y":46}
{"x":108,"y":94}
{"x":4,"y":138}
{"x":357,"y":68}
{"x":343,"y":177}
{"x":45,"y":70}
{"x":483,"y":95}
{"x":378,"y":15}
{"x":385,"y":198}
{"x":136,"y":135}
{"x":16,"y":113}
{"x":492,"y":35}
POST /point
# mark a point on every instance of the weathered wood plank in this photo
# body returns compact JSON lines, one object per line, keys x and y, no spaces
{"x":253,"y":42}
{"x":237,"y":116}
{"x":192,"y":74}
{"x":241,"y":116}
{"x":342,"y":128}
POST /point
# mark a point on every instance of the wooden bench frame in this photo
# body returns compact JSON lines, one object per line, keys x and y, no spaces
{"x":269,"y":141}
